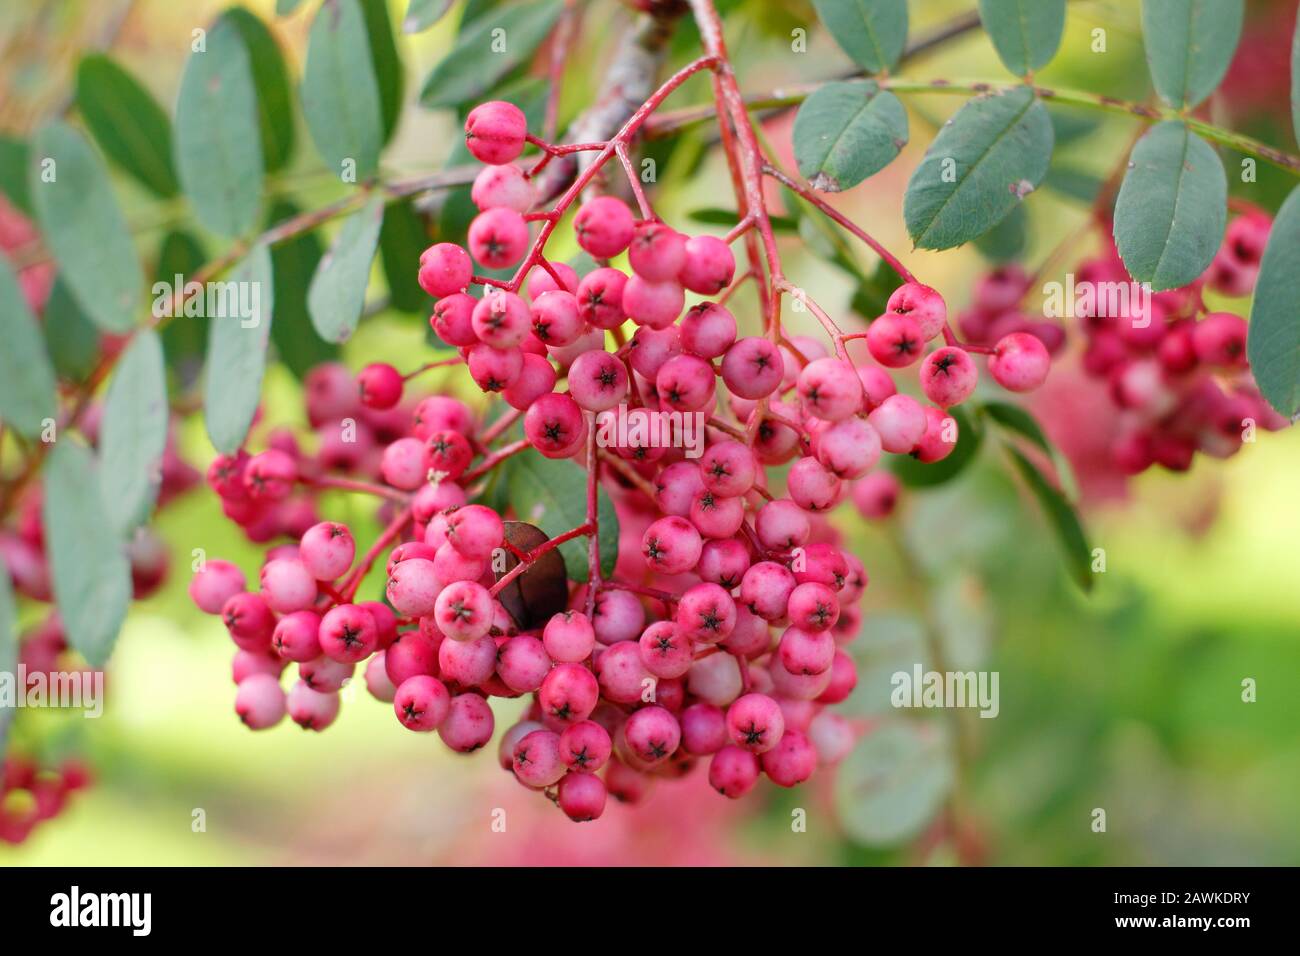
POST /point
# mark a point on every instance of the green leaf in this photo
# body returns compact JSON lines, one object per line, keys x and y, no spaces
{"x":84,"y":227}
{"x":217,"y":144}
{"x":893,"y":782}
{"x":552,"y":494}
{"x":285,"y":7}
{"x":871,"y":297}
{"x":1075,"y":184}
{"x":70,"y":337}
{"x":185,"y":338}
{"x":340,"y":95}
{"x":237,"y":358}
{"x":846,"y":132}
{"x":130,"y":127}
{"x":970,"y":435}
{"x":134,"y":434}
{"x":275,"y":119}
{"x":14,"y":157}
{"x":422,"y":14}
{"x":338,"y":289}
{"x":474,"y":64}
{"x":1008,"y":239}
{"x":387,"y":65}
{"x":1172,"y":207}
{"x":26,"y":377}
{"x":1026,"y":33}
{"x":1017,"y":420}
{"x":401,"y":240}
{"x":1274,"y":343}
{"x":1189,"y":44}
{"x":872,"y":32}
{"x":293,"y":263}
{"x":1063,"y":519}
{"x":984,"y":161}
{"x":726,"y":218}
{"x":88,"y":564}
{"x":1295,"y":80}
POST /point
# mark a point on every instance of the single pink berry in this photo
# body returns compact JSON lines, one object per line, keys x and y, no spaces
{"x":467,"y":663}
{"x":501,"y":319}
{"x":1219,"y":340}
{"x":600,"y":298}
{"x":495,"y":132}
{"x":709,"y":266}
{"x":581,"y":796}
{"x":326,"y":674}
{"x":813,"y":607}
{"x":876,"y":386}
{"x":246,"y":663}
{"x":940,"y":437}
{"x":569,"y":693}
{"x":751,"y":638}
{"x":671,"y":545}
{"x":895,"y":340}
{"x":848,"y":449}
{"x":585,"y":747}
{"x":554,"y":425}
{"x":705,"y":613}
{"x":604,"y":226}
{"x":381,"y":385}
{"x":728,"y":468}
{"x":348,"y":633}
{"x":657,"y":251}
{"x":259,"y":702}
{"x":413,"y":653}
{"x":948,"y":376}
{"x":452,"y":319}
{"x":922,"y":304}
{"x":597,"y":380}
{"x":445,"y":268}
{"x":249,"y":620}
{"x":686,"y":383}
{"x":811,"y":486}
{"x":755,"y":723}
{"x":270,"y":476}
{"x":723,"y":562}
{"x":503,"y":186}
{"x":296,"y":636}
{"x":653,"y":304}
{"x":312,"y":709}
{"x":405,"y":464}
{"x":823,"y":563}
{"x":448,"y":454}
{"x":676,"y":487}
{"x":498,"y":238}
{"x":542,"y":279}
{"x":752,"y":368}
{"x":733,"y":772}
{"x":463,"y":610}
{"x":215,"y":584}
{"x":653,"y":734}
{"x":422,"y":703}
{"x":790,"y":762}
{"x":493,"y":369}
{"x":469,"y":724}
{"x":844,"y":677}
{"x":900,"y":422}
{"x":781,"y":525}
{"x":522,"y":663}
{"x":378,"y":682}
{"x":715,"y":680}
{"x":536,"y":760}
{"x":704,"y":729}
{"x":1020,"y":362}
{"x":327,"y":549}
{"x":708,"y":330}
{"x":475,"y":531}
{"x":664,"y":652}
{"x":617,"y":616}
{"x":876,"y":495}
{"x":413,"y":587}
{"x":555,"y":318}
{"x":765,"y":590}
{"x":830,"y":389}
{"x":569,"y":637}
{"x":621,"y":674}
{"x":536,"y":378}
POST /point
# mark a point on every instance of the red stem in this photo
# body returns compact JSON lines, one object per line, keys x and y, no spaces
{"x":387,"y":537}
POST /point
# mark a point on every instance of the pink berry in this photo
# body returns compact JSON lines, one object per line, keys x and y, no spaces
{"x":475,"y":531}
{"x":708,"y":330}
{"x":651,"y":348}
{"x":671,"y":545}
{"x":604,"y":226}
{"x":536,"y":759}
{"x":765,"y":590}
{"x":381,"y":385}
{"x":676,"y":487}
{"x":581,"y":796}
{"x":247,"y":663}
{"x":782,"y":525}
{"x":876,"y":494}
{"x":895,"y":340}
{"x":467,"y":663}
{"x":876,"y":386}
{"x":503,"y":186}
{"x":405,"y":464}
{"x":751,"y":638}
{"x":728,"y":468}
{"x":585,"y":747}
{"x":452,"y":319}
{"x":709,"y":265}
{"x":522,"y":663}
{"x":501,"y":319}
{"x":422,"y":703}
{"x":445,"y":268}
{"x":1020,"y":362}
{"x":463,"y":610}
{"x":555,"y":318}
{"x":348,"y":633}
{"x":413,"y":587}
{"x":617,"y":616}
{"x":554,"y":425}
{"x":900,"y":422}
{"x":806,"y":652}
{"x":447,"y":454}
{"x":259,"y":702}
{"x":755,"y":723}
{"x":704,"y":729}
{"x":327,"y":549}
{"x":752,"y":368}
{"x":848,"y":449}
{"x":536,"y":378}
{"x":493,"y":369}
{"x":413,"y":653}
{"x":723,"y":562}
{"x":1220,"y":340}
{"x":569,"y":637}
{"x":811,"y":486}
{"x":733,"y":772}
{"x":940,"y":437}
{"x":495,"y":132}
{"x":653,"y":734}
{"x":542,"y":279}
{"x":948,"y":376}
{"x":657,"y":251}
{"x":600,"y":298}
{"x":830,"y":389}
{"x":844,"y":677}
{"x":715,"y":680}
{"x":597,"y":380}
{"x":653,"y":304}
{"x":325,"y":674}
{"x":249,"y":620}
{"x":215,"y":584}
{"x":270,"y":476}
{"x":621,"y":674}
{"x":790,"y":762}
{"x":569,"y":693}
{"x":686,"y":383}
{"x":664,"y":652}
{"x":311,"y":709}
{"x":823,"y":563}
{"x":706,"y":613}
{"x":296,"y":636}
{"x":813,"y":607}
{"x":498,"y":238}
{"x":469,"y":724}
{"x":922,"y":304}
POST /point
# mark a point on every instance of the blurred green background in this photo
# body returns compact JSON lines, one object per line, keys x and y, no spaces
{"x":1129,"y":700}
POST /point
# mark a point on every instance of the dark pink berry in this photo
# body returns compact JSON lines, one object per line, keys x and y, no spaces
{"x":708,"y":330}
{"x":830,"y":389}
{"x":765,"y":590}
{"x":597,"y":380}
{"x":948,"y":376}
{"x":536,"y":760}
{"x":555,"y":318}
{"x":922,"y":304}
{"x":1219,"y":340}
{"x":493,"y":369}
{"x":723,"y":562}
{"x":348,"y":634}
{"x":581,"y":796}
{"x":686,"y":383}
{"x":657,"y":251}
{"x":585,"y":747}
{"x":600,"y":298}
{"x":664,"y":652}
{"x":813,"y":607}
{"x":452,"y":319}
{"x":413,"y":653}
{"x":709,"y":266}
{"x":752,"y":368}
{"x":671,"y":545}
{"x":604,"y":226}
{"x":448,"y":454}
{"x":653,"y":734}
{"x":844,"y":677}
{"x":498,"y":238}
{"x":270,"y":476}
{"x":445,"y":268}
{"x":495,"y":132}
{"x":940,"y":436}
{"x":501,"y":319}
{"x":755,"y":723}
{"x":555,"y":426}
{"x":569,"y":693}
{"x":422,"y":703}
{"x":469,"y":724}
{"x":381,"y":385}
{"x":296,"y":636}
{"x":467,"y":663}
{"x":733,"y":772}
{"x":651,"y":348}
{"x":249,"y":620}
{"x":895,"y":340}
{"x":792,"y":761}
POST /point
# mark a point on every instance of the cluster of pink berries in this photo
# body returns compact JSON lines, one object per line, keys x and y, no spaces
{"x":31,"y":794}
{"x":719,"y":636}
{"x":1176,"y":371}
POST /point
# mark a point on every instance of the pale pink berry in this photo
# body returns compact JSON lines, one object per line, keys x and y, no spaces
{"x":405,"y":464}
{"x":657,"y":251}
{"x":895,"y":340}
{"x":723,"y":562}
{"x":765,"y":590}
{"x":728,"y":468}
{"x":469,"y":724}
{"x":413,"y":587}
{"x":900,"y":422}
{"x":312,"y":709}
{"x":781,"y":525}
{"x":604,"y":226}
{"x":348,"y":633}
{"x":581,"y":796}
{"x":247,"y":663}
{"x":331,"y":394}
{"x":475,"y":531}
{"x":653,"y":734}
{"x":709,"y":265}
{"x":463,"y":610}
{"x":940,"y":437}
{"x":326,"y":674}
{"x":215,"y":584}
{"x":621,"y":673}
{"x":422,"y":703}
{"x":503,"y":186}
{"x":876,"y":386}
{"x":1020,"y":362}
{"x":790,"y":762}
{"x":733,"y":772}
{"x":296,"y":636}
{"x":495,"y":132}
{"x":664,"y":652}
{"x":848,"y":449}
{"x":522,"y":663}
{"x":811,"y":486}
{"x":617,"y":616}
{"x":704,"y":729}
{"x":844,"y":677}
{"x":752,"y":368}
{"x":585,"y":747}
{"x":445,"y":268}
{"x":327,"y":550}
{"x":597,"y":380}
{"x":832,"y":737}
{"x":813,"y":607}
{"x":569,"y":637}
{"x":653,"y":304}
{"x":922,"y":304}
{"x":676,"y":487}
{"x":830,"y":389}
{"x":715,"y":679}
{"x":751,"y":638}
{"x":259,"y":701}
{"x":569,"y":693}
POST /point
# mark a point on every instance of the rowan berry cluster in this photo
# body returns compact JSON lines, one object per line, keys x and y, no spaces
{"x":31,"y":794}
{"x":720,"y":635}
